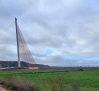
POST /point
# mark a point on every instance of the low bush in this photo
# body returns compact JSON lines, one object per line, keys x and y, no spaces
{"x":19,"y":84}
{"x":58,"y":83}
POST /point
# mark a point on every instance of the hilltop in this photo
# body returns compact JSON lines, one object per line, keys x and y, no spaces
{"x":4,"y":64}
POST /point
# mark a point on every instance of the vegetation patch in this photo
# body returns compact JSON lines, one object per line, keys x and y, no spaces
{"x":52,"y":80}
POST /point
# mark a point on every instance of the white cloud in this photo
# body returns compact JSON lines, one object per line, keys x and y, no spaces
{"x":65,"y":27}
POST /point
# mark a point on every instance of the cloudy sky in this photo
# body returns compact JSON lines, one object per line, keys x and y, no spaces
{"x":58,"y":32}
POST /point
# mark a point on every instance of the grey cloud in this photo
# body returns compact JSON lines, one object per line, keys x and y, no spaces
{"x":60,"y":61}
{"x":65,"y":27}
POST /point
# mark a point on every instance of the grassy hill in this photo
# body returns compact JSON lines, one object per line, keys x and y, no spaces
{"x":15,"y":64}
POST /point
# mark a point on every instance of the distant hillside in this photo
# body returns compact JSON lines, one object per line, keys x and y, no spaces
{"x":15,"y":64}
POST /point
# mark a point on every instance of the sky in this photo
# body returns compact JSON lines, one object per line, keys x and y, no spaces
{"x":58,"y":32}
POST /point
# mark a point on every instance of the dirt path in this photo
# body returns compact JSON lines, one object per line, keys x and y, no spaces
{"x":2,"y":89}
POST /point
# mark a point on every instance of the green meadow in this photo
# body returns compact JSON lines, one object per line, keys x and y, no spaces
{"x":56,"y":80}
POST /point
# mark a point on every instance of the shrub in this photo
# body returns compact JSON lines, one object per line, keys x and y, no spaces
{"x":19,"y":83}
{"x":57,"y":83}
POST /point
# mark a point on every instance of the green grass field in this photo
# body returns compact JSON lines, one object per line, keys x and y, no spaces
{"x":87,"y":80}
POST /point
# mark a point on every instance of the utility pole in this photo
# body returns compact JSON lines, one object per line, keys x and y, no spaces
{"x":17,"y":42}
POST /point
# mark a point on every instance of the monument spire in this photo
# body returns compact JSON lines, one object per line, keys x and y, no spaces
{"x":17,"y":42}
